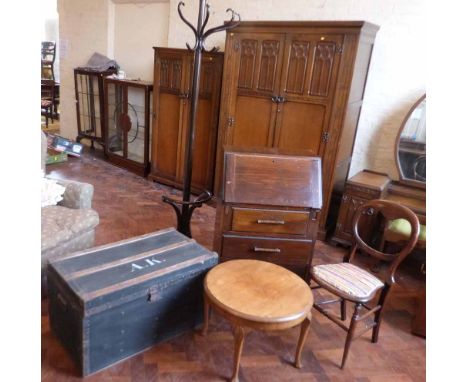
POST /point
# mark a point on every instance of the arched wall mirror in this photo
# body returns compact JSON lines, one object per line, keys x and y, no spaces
{"x":410,"y":147}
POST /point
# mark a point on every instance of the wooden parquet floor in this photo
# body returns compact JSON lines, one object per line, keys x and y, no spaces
{"x":129,"y":205}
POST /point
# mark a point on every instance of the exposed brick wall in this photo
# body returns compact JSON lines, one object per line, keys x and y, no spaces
{"x":139,"y":27}
{"x":397,"y":74}
{"x":83,"y":30}
{"x":396,"y":78}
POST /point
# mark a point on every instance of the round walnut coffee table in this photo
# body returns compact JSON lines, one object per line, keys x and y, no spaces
{"x":257,"y":295}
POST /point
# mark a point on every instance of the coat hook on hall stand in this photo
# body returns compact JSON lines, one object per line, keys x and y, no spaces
{"x":184,"y":208}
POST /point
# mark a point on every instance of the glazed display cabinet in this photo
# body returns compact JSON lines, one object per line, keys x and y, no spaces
{"x":89,"y":98}
{"x":128,"y":123}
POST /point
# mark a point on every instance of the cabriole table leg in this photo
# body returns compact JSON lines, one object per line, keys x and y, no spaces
{"x":300,"y":345}
{"x":238,"y":344}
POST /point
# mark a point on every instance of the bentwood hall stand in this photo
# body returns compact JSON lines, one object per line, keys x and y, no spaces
{"x":297,"y":88}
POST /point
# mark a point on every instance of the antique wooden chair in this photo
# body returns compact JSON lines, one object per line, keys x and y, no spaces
{"x":48,"y":50}
{"x":47,"y":99}
{"x":352,"y":283}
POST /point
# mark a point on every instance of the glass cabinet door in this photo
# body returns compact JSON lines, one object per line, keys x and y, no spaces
{"x":126,"y":122}
{"x":115,"y":133}
{"x":136,"y":131}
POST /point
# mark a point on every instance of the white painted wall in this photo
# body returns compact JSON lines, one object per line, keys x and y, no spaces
{"x":138,"y":28}
{"x":397,"y":75}
{"x":126,"y":32}
{"x":396,"y":79}
{"x":50,"y":20}
{"x":50,"y":29}
{"x":83,"y":30}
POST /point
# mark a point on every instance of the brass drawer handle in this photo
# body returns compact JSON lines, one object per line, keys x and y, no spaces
{"x":259,"y":249}
{"x":266,"y":221}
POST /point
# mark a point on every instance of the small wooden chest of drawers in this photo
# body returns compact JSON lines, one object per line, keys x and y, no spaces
{"x":362,"y":187}
{"x":270,"y":210}
{"x":367,"y":185}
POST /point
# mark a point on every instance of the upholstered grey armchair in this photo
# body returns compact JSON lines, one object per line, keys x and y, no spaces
{"x":68,"y":226}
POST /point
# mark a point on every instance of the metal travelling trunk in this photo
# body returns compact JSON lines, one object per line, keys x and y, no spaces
{"x":111,"y":302}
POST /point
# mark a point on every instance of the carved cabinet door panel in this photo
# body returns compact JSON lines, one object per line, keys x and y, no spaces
{"x":349,"y":205}
{"x":206,"y":122}
{"x":310,"y":70}
{"x":168,"y":104}
{"x":257,"y":59}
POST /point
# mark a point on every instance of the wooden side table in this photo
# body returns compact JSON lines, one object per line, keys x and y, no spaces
{"x":258,"y":295}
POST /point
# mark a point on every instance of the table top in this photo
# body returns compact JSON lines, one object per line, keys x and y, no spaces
{"x":258,"y":291}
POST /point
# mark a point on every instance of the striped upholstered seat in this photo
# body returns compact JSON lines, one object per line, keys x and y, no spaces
{"x":46,"y":103}
{"x":350,"y":280}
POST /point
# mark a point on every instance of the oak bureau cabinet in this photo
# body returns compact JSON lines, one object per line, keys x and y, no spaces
{"x":297,"y":88}
{"x":269,"y":209}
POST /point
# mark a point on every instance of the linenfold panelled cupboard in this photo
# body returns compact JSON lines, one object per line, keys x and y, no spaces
{"x":296,"y":88}
{"x":171,"y":103}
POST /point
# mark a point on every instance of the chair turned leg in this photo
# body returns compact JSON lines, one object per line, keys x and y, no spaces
{"x":238,"y":344}
{"x":350,"y":335}
{"x":378,"y":316}
{"x":206,"y":309}
{"x":51,"y":112}
{"x":376,"y":329}
{"x":343,"y":309}
{"x":302,"y":337}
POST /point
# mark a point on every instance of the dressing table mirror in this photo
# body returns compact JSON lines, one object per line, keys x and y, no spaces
{"x":409,"y":189}
{"x":410,"y":146}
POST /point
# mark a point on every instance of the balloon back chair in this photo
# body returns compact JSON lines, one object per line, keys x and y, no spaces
{"x":354,"y":284}
{"x":47,"y":100}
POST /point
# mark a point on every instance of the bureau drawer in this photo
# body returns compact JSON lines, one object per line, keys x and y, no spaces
{"x":269,"y":221}
{"x":280,"y":251}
